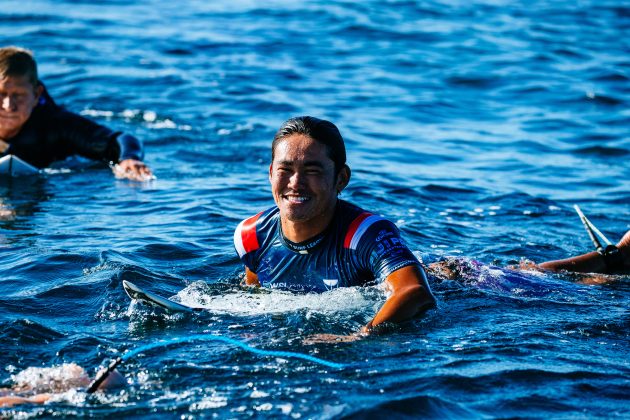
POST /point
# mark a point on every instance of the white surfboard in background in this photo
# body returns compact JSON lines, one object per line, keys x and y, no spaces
{"x":14,"y":166}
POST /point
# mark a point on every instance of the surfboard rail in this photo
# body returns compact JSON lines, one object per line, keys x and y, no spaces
{"x":146,"y":297}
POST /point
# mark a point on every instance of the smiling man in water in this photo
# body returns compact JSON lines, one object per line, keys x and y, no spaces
{"x":312,"y":241}
{"x":35,"y":129}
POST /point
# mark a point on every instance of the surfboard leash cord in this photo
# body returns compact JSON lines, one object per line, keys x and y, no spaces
{"x":103,"y":374}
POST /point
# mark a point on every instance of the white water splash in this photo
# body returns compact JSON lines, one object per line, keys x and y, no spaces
{"x":51,"y":379}
{"x":347,"y":299}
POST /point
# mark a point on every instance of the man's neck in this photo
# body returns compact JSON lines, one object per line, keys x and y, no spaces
{"x":303,"y":231}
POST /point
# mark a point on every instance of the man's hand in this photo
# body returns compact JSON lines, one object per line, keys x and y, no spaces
{"x":132,"y":169}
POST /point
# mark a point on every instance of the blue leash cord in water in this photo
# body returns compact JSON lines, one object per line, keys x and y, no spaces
{"x":100,"y":378}
{"x":210,"y":337}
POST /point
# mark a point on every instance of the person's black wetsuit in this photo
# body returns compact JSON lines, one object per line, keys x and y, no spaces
{"x":53,"y":133}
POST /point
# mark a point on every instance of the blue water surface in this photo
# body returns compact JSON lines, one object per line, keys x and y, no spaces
{"x":474,"y":125}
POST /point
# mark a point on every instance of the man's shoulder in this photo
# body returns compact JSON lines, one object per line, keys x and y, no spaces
{"x":360,"y":224}
{"x":347,"y":212}
{"x":351,"y":214}
{"x":247,"y":232}
{"x":54,"y":116}
{"x":270,"y":213}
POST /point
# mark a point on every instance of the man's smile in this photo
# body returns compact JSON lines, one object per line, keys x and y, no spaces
{"x":296,"y":198}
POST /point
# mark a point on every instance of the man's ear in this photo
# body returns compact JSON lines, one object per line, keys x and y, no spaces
{"x":343,"y":178}
{"x":38,"y":92}
{"x":270,"y":171}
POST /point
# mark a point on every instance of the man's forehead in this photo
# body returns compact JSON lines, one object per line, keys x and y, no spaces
{"x":302,"y":153}
{"x":298,"y":144}
{"x":15,"y":82}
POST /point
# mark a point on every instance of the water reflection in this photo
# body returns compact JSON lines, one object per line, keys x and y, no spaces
{"x":20,"y":197}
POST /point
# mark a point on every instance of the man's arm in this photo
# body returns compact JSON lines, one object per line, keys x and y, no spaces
{"x":410,"y":295}
{"x":591,"y":262}
{"x":94,"y":141}
{"x":11,"y":400}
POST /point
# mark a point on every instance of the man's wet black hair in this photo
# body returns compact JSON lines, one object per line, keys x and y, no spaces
{"x":321,"y":131}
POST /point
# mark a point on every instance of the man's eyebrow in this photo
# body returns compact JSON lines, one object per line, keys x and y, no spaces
{"x":316,"y":163}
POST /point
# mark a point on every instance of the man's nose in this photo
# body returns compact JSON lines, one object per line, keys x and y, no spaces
{"x":7,"y":103}
{"x":296,"y":179}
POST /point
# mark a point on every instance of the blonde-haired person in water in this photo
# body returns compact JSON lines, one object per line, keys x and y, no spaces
{"x":37,"y":130}
{"x":36,"y":385}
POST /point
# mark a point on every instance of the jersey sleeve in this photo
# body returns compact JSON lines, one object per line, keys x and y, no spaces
{"x":246,"y":242}
{"x":379,"y":246}
{"x":130,"y":147}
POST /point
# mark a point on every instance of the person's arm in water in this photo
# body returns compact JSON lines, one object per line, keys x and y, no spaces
{"x":591,"y":262}
{"x":113,"y":380}
{"x":11,"y":400}
{"x":410,"y":295}
{"x":97,"y":142}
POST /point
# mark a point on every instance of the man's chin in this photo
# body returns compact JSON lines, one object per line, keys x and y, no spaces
{"x":295,"y":216}
{"x":8,"y":130}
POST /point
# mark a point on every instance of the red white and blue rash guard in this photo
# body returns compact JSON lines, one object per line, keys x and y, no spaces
{"x":358,"y":248}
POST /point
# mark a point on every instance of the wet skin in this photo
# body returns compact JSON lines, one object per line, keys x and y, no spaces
{"x":304,"y":186}
{"x":18,"y":98}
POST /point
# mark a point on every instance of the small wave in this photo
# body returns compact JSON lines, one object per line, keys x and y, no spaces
{"x":422,"y":406}
{"x":25,"y":331}
{"x":149,"y":117}
{"x":602,"y":99}
{"x":602,"y":151}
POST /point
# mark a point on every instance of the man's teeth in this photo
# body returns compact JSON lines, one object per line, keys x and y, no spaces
{"x":298,"y":199}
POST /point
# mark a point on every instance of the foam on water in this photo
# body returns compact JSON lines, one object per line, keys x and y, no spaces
{"x":55,"y":379}
{"x":244,"y":303}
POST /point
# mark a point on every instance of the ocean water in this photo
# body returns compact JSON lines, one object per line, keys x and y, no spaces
{"x":475,"y":126}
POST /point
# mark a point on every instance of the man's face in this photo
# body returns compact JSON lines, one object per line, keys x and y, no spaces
{"x":18,"y":97}
{"x":303,"y":181}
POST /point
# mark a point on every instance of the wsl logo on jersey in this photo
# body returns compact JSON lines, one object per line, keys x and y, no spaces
{"x":330,"y":283}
